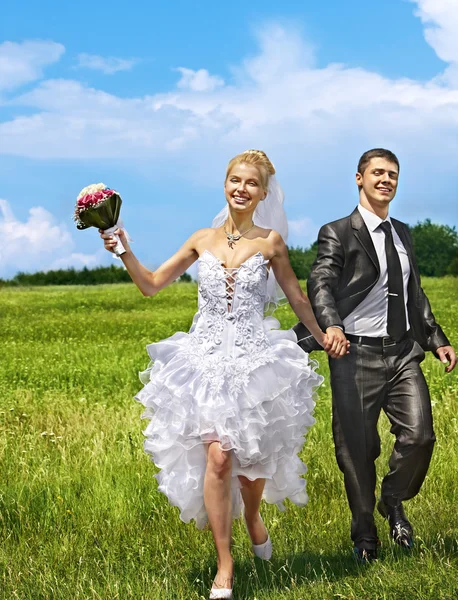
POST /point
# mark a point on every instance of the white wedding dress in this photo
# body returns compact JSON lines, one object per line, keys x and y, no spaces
{"x":235,"y":378}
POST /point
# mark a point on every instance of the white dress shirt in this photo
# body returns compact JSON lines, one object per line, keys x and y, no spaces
{"x":370,"y":316}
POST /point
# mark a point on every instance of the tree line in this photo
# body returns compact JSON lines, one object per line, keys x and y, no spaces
{"x":436,"y":249}
{"x":71,"y":276}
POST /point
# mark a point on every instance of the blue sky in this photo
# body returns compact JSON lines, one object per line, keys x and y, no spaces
{"x":153,"y":99}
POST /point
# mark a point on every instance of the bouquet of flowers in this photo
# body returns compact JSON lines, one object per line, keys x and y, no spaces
{"x":99,"y":206}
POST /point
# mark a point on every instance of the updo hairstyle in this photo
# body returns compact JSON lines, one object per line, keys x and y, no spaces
{"x":258,"y":159}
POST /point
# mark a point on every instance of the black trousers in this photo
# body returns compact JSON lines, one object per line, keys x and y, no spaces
{"x":363,"y":383}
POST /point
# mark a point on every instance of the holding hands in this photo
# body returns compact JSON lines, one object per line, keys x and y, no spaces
{"x":335,"y":343}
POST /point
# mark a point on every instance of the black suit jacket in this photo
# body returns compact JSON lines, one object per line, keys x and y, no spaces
{"x":345,"y":271}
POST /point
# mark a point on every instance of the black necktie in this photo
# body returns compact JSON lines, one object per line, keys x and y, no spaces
{"x":396,"y":304}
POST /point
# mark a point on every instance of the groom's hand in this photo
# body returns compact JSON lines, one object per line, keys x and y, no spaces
{"x":447,"y":356}
{"x":337,"y":344}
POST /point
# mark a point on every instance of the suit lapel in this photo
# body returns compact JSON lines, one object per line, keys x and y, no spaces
{"x":407,"y":245}
{"x":363,"y":236}
{"x":404,"y":239}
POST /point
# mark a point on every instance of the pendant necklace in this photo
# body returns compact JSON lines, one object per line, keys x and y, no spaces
{"x":232,"y":239}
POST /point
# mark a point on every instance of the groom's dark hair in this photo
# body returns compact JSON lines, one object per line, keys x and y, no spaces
{"x":376,"y":153}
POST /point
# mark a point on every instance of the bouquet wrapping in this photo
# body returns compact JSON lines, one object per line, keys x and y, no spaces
{"x":99,"y":206}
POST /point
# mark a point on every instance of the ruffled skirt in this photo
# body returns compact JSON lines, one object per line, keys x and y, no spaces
{"x":258,"y":408}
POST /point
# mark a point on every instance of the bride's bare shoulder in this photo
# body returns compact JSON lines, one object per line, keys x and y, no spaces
{"x":270,"y":235}
{"x":202,"y":236}
{"x":262,"y":232}
{"x":276,"y":243}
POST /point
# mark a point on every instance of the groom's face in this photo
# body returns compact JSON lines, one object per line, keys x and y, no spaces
{"x":379,"y":181}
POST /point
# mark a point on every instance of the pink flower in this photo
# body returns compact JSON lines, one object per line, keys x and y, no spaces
{"x":108,"y":192}
{"x":82,"y":201}
{"x":97,"y":196}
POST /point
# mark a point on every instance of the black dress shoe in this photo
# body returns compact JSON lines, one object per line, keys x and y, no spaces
{"x":364,"y":555}
{"x":400,"y":529}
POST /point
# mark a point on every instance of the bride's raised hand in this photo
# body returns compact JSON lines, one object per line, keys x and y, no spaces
{"x":110,"y":240}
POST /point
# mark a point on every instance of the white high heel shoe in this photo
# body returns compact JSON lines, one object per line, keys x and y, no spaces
{"x":221,"y":593}
{"x":263,"y":551}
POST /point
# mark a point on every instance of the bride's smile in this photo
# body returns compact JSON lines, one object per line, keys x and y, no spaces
{"x":243,"y":188}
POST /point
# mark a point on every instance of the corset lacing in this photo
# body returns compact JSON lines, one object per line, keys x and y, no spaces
{"x":230,"y":278}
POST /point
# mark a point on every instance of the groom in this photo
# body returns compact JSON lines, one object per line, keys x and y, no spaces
{"x":365,"y":288}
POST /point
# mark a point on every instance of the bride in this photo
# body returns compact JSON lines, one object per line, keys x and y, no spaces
{"x":230,"y":402}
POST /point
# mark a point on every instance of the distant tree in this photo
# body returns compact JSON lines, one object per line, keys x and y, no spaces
{"x":301,"y":259}
{"x":435,"y":246}
{"x":185,"y":278}
{"x":453,"y":266}
{"x":71,"y":276}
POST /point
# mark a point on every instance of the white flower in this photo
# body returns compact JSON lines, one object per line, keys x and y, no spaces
{"x":91,"y":189}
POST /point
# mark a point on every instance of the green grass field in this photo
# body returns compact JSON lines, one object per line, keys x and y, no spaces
{"x":80,"y":515}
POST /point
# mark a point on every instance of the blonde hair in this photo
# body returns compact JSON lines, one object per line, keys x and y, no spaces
{"x":258,"y":159}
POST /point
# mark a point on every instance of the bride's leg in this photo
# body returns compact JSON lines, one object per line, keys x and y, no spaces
{"x":218,"y":502}
{"x":252,"y":495}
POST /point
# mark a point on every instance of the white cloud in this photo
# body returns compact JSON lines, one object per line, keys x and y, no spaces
{"x":441,"y":32}
{"x":39,"y":243}
{"x":198,"y":81}
{"x":277,"y":99}
{"x":22,"y":63}
{"x":77,"y":260}
{"x":306,"y":117}
{"x":441,"y":20}
{"x":281,"y":50}
{"x":106,"y":64}
{"x":302,"y":232}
